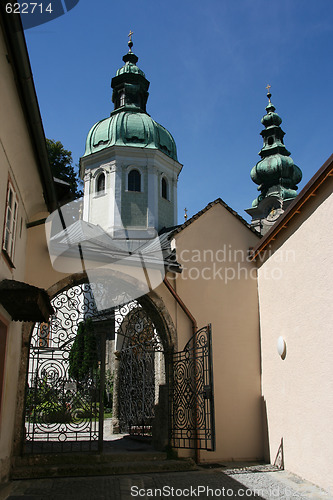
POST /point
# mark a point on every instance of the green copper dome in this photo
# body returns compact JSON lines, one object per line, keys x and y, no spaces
{"x":276,"y":174}
{"x":271,"y":118}
{"x":130,"y":67}
{"x":130,"y":128}
{"x":129,"y":124}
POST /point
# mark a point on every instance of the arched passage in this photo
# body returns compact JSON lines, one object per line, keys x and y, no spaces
{"x":63,"y":404}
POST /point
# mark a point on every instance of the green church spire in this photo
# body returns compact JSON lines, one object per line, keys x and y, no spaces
{"x":129,"y":124}
{"x":276,"y":173}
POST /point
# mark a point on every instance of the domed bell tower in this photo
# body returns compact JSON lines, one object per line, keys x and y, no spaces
{"x":130,"y":167}
{"x":276,"y":174}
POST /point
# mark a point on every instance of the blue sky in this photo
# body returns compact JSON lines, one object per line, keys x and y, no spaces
{"x":208,"y":63}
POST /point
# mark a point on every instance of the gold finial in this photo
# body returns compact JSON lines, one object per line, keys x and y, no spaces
{"x":185,"y":215}
{"x":269,"y":95}
{"x":130,"y":43}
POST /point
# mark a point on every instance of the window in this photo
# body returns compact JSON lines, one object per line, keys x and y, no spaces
{"x":122,"y":99}
{"x":10,"y":223}
{"x":165,"y":193}
{"x":100,"y":183}
{"x":134,"y":181}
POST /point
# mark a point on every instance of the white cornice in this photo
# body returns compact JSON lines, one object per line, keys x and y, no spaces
{"x":128,"y":153}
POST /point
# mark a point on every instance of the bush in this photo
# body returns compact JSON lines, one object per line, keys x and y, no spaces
{"x":52,"y":412}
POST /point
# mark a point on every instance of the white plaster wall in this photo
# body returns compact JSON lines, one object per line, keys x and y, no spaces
{"x":117,"y":160}
{"x":295,"y":294}
{"x":99,"y":210}
{"x":17,"y":162}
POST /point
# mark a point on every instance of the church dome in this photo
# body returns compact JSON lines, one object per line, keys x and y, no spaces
{"x":129,"y":123}
{"x":277,"y":170}
{"x":130,"y":128}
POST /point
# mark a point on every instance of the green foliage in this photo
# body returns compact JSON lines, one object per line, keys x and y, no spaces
{"x":53,"y":411}
{"x":83,"y":354}
{"x":108,"y":393}
{"x":47,"y":403}
{"x":61,"y":162}
{"x":40,"y":393}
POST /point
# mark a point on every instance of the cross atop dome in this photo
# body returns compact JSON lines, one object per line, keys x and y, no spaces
{"x":269,"y":95}
{"x":130,"y":43}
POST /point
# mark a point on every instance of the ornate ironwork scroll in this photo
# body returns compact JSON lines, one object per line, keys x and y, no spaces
{"x":135,"y":325}
{"x":138,"y":377}
{"x":61,"y":412}
{"x":191,"y":394}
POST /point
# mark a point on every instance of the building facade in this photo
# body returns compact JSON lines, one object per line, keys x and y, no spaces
{"x":216,"y":270}
{"x":296,"y":312}
{"x":27,"y":195}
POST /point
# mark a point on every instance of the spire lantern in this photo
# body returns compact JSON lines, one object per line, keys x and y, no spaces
{"x":130,"y":86}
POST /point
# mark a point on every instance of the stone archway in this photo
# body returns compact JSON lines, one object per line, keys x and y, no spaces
{"x":154,"y":305}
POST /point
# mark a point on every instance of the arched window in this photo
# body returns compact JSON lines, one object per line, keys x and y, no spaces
{"x":134,"y":180}
{"x":165,"y":193}
{"x":100,"y":183}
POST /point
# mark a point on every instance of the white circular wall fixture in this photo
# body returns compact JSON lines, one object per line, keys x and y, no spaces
{"x":281,"y":347}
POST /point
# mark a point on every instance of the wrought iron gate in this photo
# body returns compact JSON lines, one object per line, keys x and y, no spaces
{"x":139,"y":373}
{"x":61,"y":411}
{"x":137,"y":391}
{"x":192,"y":421}
{"x":65,"y":391}
{"x":65,"y":406}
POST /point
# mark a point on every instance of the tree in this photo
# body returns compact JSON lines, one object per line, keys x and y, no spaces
{"x":83,"y":354}
{"x":61,"y":162}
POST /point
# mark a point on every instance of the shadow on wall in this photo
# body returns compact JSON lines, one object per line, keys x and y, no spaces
{"x":265,"y":431}
{"x":279,"y":458}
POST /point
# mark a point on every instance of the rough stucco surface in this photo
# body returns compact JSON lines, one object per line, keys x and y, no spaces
{"x":295,"y":294}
